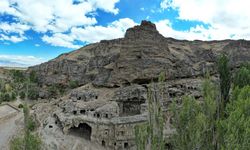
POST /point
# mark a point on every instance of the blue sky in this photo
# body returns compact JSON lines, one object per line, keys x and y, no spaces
{"x":34,"y":31}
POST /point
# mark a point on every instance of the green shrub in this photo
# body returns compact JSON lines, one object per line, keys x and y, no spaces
{"x":242,"y":77}
{"x":28,"y":141}
{"x":17,"y":144}
{"x":20,"y":106}
{"x":13,"y":96}
{"x":33,"y":93}
{"x":33,"y":77}
{"x":6,"y":97}
{"x":236,"y":126}
{"x":18,"y":76}
{"x":53,"y":91}
{"x":22,"y":95}
{"x":31,"y":124}
{"x":73,"y":84}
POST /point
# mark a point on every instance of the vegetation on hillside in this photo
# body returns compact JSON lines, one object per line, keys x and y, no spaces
{"x":18,"y":84}
{"x":28,"y":141}
{"x":220,"y":122}
{"x":24,"y":85}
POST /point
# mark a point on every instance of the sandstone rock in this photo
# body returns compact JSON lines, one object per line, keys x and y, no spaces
{"x":115,"y":76}
{"x":139,"y":58}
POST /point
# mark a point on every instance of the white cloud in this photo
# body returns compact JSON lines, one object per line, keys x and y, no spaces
{"x":19,"y":60}
{"x":90,"y":34}
{"x":5,"y":8}
{"x":198,"y":32}
{"x":55,"y":16}
{"x":37,"y":45}
{"x":60,"y":39}
{"x":106,"y":5}
{"x":13,"y":32}
{"x":12,"y":38}
{"x":13,"y":27}
{"x":225,"y":17}
{"x":96,"y":33}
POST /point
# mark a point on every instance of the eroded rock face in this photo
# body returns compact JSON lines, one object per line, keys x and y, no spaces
{"x":115,"y":76}
{"x":139,"y":58}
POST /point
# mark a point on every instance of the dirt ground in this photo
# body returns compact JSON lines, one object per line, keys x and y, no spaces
{"x":52,"y":136}
{"x":11,"y":121}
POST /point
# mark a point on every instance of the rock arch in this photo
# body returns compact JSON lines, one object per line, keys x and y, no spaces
{"x":82,"y":130}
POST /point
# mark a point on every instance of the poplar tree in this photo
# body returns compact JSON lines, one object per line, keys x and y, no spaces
{"x":225,"y":82}
{"x":242,"y":77}
{"x":236,"y":127}
{"x":150,"y":135}
{"x":195,"y":122}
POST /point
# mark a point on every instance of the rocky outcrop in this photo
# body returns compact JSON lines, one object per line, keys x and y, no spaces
{"x":138,"y":58}
{"x":114,"y":78}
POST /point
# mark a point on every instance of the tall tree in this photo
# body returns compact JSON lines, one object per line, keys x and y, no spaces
{"x":225,"y":82}
{"x":242,"y":76}
{"x":237,"y":125}
{"x":150,"y":134}
{"x":195,"y":122}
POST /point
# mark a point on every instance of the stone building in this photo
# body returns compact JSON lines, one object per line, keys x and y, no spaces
{"x":109,"y":116}
{"x":106,"y":119}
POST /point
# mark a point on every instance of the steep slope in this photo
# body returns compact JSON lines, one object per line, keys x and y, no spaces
{"x":139,"y":57}
{"x":115,"y":77}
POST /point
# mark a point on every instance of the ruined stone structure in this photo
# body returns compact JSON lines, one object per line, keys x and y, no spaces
{"x":104,"y":116}
{"x":114,"y":77}
{"x":108,"y":115}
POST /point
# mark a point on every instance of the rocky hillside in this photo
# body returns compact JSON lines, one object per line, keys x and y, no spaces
{"x":138,"y":58}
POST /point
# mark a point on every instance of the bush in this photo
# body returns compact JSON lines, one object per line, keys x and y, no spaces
{"x":53,"y":91}
{"x":13,"y":96}
{"x":17,"y":144}
{"x":56,"y":89}
{"x":33,"y":93}
{"x":28,"y":141}
{"x":22,"y":95}
{"x":31,"y":142}
{"x":20,"y":106}
{"x":31,"y":124}
{"x":33,"y":77}
{"x":242,"y":77}
{"x":73,"y":84}
{"x":6,"y":97}
{"x":18,"y":76}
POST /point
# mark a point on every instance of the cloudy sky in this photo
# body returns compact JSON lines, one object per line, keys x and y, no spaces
{"x":34,"y":31}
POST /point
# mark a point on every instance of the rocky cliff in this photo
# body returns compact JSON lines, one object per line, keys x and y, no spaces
{"x":114,"y":79}
{"x":138,"y":58}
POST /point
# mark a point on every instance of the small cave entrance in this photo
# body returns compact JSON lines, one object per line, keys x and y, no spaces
{"x":126,"y":145}
{"x":103,"y":143}
{"x":168,"y":146}
{"x":82,"y":111}
{"x":131,"y":107}
{"x":83,"y":130}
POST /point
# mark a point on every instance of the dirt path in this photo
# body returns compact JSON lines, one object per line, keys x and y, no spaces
{"x":8,"y":128}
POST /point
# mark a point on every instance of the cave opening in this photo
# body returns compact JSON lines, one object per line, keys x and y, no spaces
{"x":103,"y":143}
{"x":83,"y":111}
{"x":126,"y":145}
{"x":83,"y":130}
{"x":168,"y":146}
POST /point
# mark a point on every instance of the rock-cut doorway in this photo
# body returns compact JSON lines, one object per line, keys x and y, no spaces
{"x":83,"y":130}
